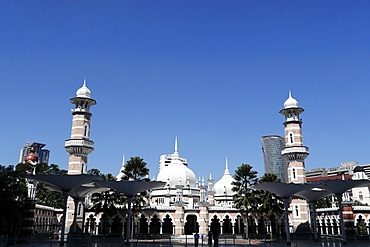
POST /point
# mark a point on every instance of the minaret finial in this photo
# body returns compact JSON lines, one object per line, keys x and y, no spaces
{"x":290,"y":94}
{"x":84,"y":82}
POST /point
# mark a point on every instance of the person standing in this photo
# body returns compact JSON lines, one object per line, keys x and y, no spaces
{"x":209,"y":238}
{"x":215,"y":238}
{"x":196,"y":239}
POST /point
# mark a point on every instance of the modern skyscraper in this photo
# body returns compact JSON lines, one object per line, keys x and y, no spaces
{"x":275,"y":163}
{"x":42,"y":153}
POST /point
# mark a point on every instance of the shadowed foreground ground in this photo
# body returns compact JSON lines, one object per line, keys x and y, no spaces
{"x":109,"y":242}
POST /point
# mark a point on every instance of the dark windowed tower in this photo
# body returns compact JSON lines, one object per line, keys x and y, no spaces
{"x":39,"y":149}
{"x":275,"y":163}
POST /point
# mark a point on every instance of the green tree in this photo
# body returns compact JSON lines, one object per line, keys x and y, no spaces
{"x":44,"y":196}
{"x":326,"y":202}
{"x":94,"y":171}
{"x":268,"y":202}
{"x":108,"y":176}
{"x":244,"y":197}
{"x":106,"y":201}
{"x":13,"y":190}
{"x":135,"y":169}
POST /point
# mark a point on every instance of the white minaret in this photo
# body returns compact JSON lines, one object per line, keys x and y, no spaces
{"x":295,"y":153}
{"x":294,"y":150}
{"x":79,"y":146}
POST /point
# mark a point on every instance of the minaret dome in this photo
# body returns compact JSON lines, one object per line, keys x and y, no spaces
{"x":290,"y":102}
{"x":83,"y":92}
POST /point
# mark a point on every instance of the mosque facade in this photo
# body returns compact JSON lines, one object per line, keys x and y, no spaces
{"x":186,"y":205}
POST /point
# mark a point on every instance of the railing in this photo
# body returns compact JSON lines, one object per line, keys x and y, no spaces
{"x":79,"y":143}
{"x":301,"y":149}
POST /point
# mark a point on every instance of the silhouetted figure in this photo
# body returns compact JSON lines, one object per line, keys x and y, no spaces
{"x":196,"y":239}
{"x":215,"y":238}
{"x":209,"y":238}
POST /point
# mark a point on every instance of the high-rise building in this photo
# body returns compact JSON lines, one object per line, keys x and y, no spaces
{"x":42,"y":153}
{"x":275,"y":163}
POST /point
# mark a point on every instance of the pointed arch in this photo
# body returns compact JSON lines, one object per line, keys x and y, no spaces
{"x":167,"y":225}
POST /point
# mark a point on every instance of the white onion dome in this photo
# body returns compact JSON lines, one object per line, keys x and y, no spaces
{"x":83,"y":92}
{"x":290,"y":102}
{"x":177,"y":173}
{"x":174,"y":170}
{"x":223,"y":187}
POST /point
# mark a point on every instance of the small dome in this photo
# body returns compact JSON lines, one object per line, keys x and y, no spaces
{"x":223,"y":187}
{"x":358,"y":169}
{"x":32,"y":157}
{"x":83,"y":91}
{"x":290,"y":102}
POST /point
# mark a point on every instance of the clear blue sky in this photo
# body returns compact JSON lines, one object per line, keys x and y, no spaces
{"x":214,"y":73}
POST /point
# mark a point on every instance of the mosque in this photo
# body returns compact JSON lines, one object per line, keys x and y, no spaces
{"x":186,"y":205}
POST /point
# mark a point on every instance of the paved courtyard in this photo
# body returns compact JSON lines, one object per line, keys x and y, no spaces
{"x":323,"y":242}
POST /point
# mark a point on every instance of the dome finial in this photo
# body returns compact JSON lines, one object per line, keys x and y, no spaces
{"x":227,"y":167}
{"x":176,"y":153}
{"x":290,"y":102}
{"x":123,"y":160}
{"x":176,"y":150}
{"x":83,"y":91}
{"x":120,"y":174}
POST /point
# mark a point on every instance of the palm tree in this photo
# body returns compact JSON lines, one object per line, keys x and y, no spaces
{"x":105,"y":202}
{"x":135,"y":169}
{"x":269,"y":204}
{"x":244,"y":197}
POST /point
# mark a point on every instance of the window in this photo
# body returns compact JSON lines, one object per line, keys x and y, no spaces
{"x":291,"y":137}
{"x":86,"y":131}
{"x":360,"y":196}
{"x":79,"y":211}
{"x":296,"y":211}
{"x":293,"y":173}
